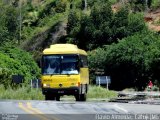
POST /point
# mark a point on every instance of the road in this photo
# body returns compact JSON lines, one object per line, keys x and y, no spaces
{"x":71,"y":110}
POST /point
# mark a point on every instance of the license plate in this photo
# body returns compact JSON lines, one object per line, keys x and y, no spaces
{"x":60,"y":91}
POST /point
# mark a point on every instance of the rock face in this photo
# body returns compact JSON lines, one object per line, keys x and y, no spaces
{"x":44,"y":39}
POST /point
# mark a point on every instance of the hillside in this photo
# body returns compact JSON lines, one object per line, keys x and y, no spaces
{"x":48,"y":24}
{"x":46,"y":27}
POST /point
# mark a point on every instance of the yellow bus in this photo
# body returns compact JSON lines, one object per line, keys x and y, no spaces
{"x":64,"y":72}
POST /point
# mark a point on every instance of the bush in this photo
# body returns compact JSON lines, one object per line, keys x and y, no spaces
{"x":5,"y":76}
{"x":16,"y":61}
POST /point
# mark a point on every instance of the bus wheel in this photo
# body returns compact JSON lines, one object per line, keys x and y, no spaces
{"x":58,"y":98}
{"x":49,"y":97}
{"x":83,"y":97}
{"x":77,"y":97}
{"x":80,"y":97}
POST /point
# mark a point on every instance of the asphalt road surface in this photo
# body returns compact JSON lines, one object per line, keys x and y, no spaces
{"x":72,"y":110}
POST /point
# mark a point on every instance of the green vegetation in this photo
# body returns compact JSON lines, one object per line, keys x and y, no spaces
{"x":38,"y":18}
{"x":15,"y":61}
{"x":131,"y":62}
{"x":141,"y":5}
{"x":9,"y":24}
{"x":21,"y":93}
{"x":102,"y":26}
{"x":26,"y":93}
{"x":155,"y":4}
{"x":99,"y":92}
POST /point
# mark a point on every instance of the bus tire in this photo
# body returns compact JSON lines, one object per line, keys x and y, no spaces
{"x":57,"y":97}
{"x":80,"y":97}
{"x":83,"y":97}
{"x":77,"y":97}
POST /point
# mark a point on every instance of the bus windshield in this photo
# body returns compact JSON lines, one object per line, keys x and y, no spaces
{"x":60,"y":64}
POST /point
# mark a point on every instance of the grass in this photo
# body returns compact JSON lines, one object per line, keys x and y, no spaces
{"x":99,"y":92}
{"x":23,"y":93}
{"x":26,"y":93}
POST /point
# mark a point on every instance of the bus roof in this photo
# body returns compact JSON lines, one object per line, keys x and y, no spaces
{"x":64,"y":49}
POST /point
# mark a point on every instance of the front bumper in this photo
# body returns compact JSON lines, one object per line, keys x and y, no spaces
{"x":61,"y":91}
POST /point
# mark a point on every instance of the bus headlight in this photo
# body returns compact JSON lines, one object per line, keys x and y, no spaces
{"x":78,"y":84}
{"x":46,"y":85}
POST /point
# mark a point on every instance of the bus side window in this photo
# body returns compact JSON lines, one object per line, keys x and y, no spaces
{"x":83,"y":61}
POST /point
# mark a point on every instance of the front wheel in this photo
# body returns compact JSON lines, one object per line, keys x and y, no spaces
{"x":83,"y":97}
{"x":57,"y":97}
{"x":80,"y":97}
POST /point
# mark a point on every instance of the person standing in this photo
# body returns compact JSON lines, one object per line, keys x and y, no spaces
{"x":150,"y":84}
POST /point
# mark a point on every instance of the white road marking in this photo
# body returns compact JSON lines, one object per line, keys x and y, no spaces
{"x":120,"y":108}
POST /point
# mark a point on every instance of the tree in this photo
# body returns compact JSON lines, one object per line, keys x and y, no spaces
{"x":90,"y":31}
{"x":131,"y":62}
{"x":119,"y":24}
{"x":102,"y":26}
{"x":101,"y":18}
{"x":3,"y":27}
{"x":73,"y":23}
{"x":9,"y":23}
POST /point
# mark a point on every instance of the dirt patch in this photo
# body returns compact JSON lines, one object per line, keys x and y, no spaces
{"x":152,"y":18}
{"x":116,"y":7}
{"x":138,"y":98}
